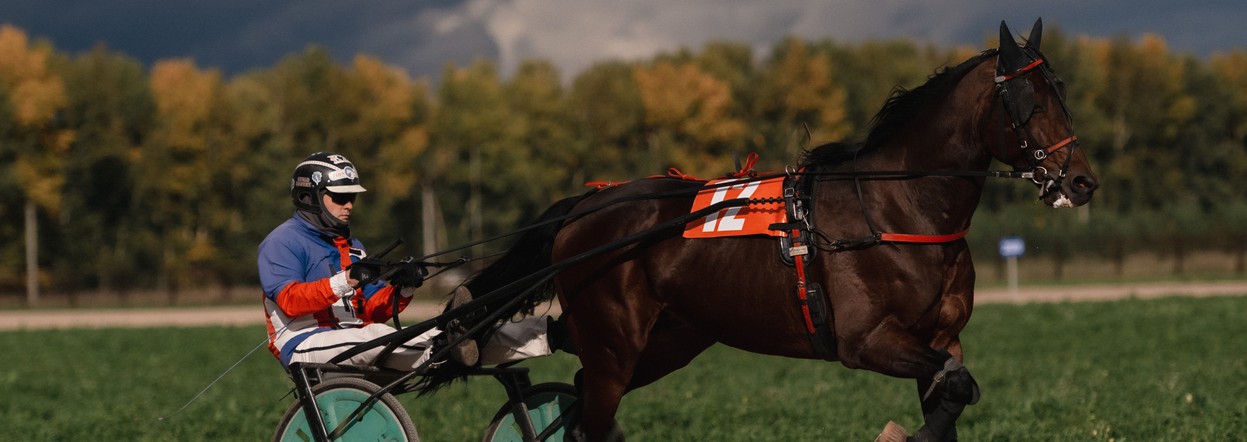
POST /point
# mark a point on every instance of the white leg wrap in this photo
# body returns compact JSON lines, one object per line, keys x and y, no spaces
{"x":517,"y":340}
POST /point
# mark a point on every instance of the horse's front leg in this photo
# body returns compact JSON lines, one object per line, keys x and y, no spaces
{"x":892,"y":349}
{"x":948,"y":385}
{"x":945,"y":393}
{"x":954,"y":311}
{"x":944,"y":396}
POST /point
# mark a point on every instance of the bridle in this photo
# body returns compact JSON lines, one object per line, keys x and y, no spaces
{"x":1017,"y":97}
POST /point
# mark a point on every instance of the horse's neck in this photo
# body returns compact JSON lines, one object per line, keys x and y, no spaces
{"x":947,"y":139}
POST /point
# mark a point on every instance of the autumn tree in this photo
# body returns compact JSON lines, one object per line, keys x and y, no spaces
{"x":386,"y":133}
{"x":476,"y":124}
{"x":537,"y":100}
{"x":687,"y":118}
{"x":177,"y":172}
{"x":37,"y":139}
{"x":800,"y":90}
{"x":111,"y":108}
{"x":608,"y":117}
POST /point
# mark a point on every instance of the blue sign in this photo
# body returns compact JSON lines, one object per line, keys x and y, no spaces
{"x":1012,"y":246}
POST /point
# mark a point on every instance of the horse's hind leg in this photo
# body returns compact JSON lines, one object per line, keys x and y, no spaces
{"x":610,"y":345}
{"x":607,"y":367}
{"x":671,"y":346}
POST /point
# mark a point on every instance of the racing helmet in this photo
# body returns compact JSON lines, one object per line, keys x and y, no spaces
{"x":319,"y":173}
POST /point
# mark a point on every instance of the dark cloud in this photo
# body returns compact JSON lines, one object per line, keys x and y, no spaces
{"x":422,"y":36}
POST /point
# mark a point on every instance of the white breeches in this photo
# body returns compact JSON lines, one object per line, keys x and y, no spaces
{"x":514,"y":341}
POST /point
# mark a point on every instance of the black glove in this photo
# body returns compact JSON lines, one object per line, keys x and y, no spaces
{"x":366,"y":271}
{"x":407,"y":274}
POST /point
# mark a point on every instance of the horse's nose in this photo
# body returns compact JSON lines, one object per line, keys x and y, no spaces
{"x":1084,"y":185}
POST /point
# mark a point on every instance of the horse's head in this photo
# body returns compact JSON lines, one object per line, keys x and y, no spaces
{"x":1031,"y":100}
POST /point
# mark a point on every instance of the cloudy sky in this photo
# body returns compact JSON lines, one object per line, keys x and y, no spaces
{"x":423,"y":35}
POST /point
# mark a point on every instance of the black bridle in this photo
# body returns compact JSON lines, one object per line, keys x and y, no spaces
{"x":1017,"y":97}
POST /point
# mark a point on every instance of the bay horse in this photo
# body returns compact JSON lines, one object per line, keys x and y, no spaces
{"x":646,"y":308}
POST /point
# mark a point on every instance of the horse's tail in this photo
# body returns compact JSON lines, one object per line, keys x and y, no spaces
{"x":527,"y":257}
{"x":530,"y":254}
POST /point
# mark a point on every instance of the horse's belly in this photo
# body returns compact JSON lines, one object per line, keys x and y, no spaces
{"x":743,"y":304}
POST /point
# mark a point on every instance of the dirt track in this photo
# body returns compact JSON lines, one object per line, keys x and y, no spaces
{"x":252,"y":315}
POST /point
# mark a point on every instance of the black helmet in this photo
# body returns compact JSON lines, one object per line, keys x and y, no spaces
{"x":319,"y":173}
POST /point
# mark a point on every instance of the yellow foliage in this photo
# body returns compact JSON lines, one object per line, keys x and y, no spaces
{"x":805,"y":89}
{"x":184,"y":97}
{"x":39,"y":178}
{"x":388,"y":90}
{"x":36,"y":92}
{"x":402,"y":173}
{"x":691,"y":102}
{"x":1231,"y":70}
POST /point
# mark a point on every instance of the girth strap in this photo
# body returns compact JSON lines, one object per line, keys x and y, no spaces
{"x":797,"y":250}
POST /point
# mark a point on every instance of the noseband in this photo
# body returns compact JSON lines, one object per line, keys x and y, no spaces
{"x":1017,"y":97}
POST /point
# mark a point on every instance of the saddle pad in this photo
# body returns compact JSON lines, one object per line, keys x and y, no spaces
{"x":754,"y":219}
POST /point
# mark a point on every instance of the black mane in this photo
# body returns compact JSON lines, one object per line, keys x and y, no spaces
{"x":901,"y":107}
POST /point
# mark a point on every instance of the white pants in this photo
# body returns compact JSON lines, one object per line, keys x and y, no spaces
{"x":514,"y":341}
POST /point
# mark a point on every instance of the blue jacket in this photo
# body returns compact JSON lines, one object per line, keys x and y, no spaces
{"x":295,"y":262}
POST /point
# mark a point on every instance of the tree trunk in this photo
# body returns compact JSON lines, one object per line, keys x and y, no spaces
{"x":1179,"y":258}
{"x":1239,"y":260}
{"x":428,"y":219}
{"x":476,"y":223}
{"x":1119,"y":259}
{"x":32,"y":255}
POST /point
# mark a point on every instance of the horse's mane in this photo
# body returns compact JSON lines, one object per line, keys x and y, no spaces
{"x":898,"y":111}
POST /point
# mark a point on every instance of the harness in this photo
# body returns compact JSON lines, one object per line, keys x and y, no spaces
{"x":1017,"y":96}
{"x":796,"y":252}
{"x":798,"y":249}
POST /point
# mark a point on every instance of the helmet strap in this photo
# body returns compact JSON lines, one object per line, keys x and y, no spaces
{"x":323,"y":221}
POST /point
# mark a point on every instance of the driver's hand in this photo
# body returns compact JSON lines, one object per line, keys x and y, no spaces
{"x":407,"y":274}
{"x":364,"y":272}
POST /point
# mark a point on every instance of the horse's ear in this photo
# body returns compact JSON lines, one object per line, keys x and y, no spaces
{"x":1011,"y":56}
{"x":1036,"y":34}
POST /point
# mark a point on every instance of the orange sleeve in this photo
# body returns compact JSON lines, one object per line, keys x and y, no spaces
{"x":380,"y":306}
{"x":305,"y":298}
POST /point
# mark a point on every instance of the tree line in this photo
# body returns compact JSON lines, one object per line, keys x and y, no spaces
{"x":117,"y":176}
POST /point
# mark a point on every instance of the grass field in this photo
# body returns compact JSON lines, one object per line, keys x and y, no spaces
{"x":1157,"y":370}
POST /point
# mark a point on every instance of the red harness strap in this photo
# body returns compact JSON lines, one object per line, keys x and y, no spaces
{"x":1019,"y":72}
{"x":1062,"y":143}
{"x":344,"y":258}
{"x":922,"y":239}
{"x":747,"y":170}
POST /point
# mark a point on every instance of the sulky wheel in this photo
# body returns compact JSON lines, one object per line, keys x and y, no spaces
{"x":385,"y":420}
{"x":546,"y":404}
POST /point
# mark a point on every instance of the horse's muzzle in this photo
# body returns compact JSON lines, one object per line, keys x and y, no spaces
{"x":1075,"y":190}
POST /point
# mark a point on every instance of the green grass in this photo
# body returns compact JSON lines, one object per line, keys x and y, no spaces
{"x":1133,"y":370}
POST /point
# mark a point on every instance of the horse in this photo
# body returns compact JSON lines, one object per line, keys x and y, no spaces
{"x":638,"y":310}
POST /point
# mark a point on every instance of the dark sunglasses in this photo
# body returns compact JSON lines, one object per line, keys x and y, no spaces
{"x":341,"y":198}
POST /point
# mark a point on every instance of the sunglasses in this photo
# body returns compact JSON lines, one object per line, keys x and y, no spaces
{"x":341,"y":198}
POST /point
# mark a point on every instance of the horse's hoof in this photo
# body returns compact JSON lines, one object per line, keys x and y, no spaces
{"x":893,"y":432}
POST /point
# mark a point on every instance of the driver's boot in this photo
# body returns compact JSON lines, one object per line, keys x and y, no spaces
{"x":464,"y":353}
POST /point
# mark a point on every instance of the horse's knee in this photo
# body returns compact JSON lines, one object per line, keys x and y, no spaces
{"x":961,"y":387}
{"x":956,"y":383}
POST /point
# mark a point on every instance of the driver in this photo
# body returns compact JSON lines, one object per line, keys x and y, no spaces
{"x":320,"y":303}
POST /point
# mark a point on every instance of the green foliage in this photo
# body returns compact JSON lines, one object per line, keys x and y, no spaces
{"x":168,"y":178}
{"x":1131,"y":370}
